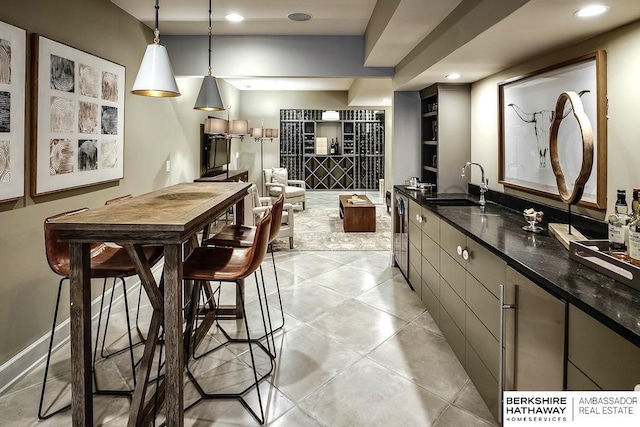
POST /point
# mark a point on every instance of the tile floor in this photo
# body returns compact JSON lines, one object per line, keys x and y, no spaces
{"x":357,"y":349}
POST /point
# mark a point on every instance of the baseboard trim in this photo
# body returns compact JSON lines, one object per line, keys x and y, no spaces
{"x":28,"y":359}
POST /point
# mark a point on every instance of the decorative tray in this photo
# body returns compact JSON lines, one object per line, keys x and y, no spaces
{"x":595,"y":254}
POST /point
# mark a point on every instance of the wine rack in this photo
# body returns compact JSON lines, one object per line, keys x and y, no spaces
{"x":359,"y":161}
{"x":329,"y":172}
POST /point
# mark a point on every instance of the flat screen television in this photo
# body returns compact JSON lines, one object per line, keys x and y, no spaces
{"x":213,"y":154}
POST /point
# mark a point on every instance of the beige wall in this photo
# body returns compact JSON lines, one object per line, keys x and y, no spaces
{"x":156,"y":130}
{"x":623,"y":88}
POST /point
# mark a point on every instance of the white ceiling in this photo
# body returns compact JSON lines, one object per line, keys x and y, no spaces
{"x":537,"y":27}
{"x":262,"y":17}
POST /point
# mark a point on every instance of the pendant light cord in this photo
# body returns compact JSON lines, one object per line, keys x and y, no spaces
{"x":156,"y":32}
{"x":209,"y":37}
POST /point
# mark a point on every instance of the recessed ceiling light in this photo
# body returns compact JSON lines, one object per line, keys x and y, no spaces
{"x":234,"y":17}
{"x":453,"y":76}
{"x":299,"y":16}
{"x":594,"y":10}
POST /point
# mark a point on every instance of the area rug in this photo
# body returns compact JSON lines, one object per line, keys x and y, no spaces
{"x":319,"y":228}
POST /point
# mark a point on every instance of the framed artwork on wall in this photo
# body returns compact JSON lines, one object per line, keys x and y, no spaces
{"x":13,"y":54}
{"x":527,"y":105}
{"x":78,"y":118}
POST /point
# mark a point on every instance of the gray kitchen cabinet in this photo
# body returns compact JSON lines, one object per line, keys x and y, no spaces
{"x":480,"y":295}
{"x":602,"y":357}
{"x":535,"y":336}
{"x":415,"y":247}
{"x":462,"y":305}
{"x":424,"y":235}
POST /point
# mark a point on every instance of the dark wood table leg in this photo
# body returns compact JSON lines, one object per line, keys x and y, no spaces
{"x":173,"y":319}
{"x":81,"y":378}
{"x":137,"y":414}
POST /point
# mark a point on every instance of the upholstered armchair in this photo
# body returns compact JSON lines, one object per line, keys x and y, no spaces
{"x":277,"y":181}
{"x":256,"y":205}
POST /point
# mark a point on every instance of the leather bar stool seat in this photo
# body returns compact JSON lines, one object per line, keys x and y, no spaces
{"x":106,"y":262}
{"x":233,"y":235}
{"x":232,"y":264}
{"x":243,"y":235}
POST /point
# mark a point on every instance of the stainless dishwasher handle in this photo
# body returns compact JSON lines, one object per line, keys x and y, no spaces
{"x":503,"y":307}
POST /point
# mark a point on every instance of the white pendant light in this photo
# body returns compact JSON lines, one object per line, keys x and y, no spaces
{"x":155,"y":76}
{"x":209,"y":98}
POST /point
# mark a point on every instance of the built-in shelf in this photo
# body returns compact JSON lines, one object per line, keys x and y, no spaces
{"x":446,"y":132}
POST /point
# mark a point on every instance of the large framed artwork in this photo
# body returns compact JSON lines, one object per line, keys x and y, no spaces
{"x":78,"y":123}
{"x":13,"y":54}
{"x":527,"y":105}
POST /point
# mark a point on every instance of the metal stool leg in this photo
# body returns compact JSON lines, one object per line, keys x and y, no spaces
{"x":257,"y":379}
{"x":275,"y":273}
{"x":41,"y":415}
{"x":130,"y":339}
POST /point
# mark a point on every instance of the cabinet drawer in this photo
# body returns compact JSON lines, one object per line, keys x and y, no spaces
{"x":431,"y":303}
{"x":483,"y":304}
{"x":415,"y":210}
{"x":415,"y":234}
{"x":487,"y":267}
{"x":450,"y":239}
{"x":415,"y":258}
{"x":577,"y":381}
{"x":609,"y":360}
{"x":485,"y":345}
{"x":454,"y":336}
{"x":415,"y":278}
{"x":483,"y":380}
{"x":431,"y":277}
{"x":453,"y":273}
{"x":431,"y":251}
{"x":431,"y":224}
{"x":453,"y":304}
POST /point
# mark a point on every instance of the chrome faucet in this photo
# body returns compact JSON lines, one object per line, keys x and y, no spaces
{"x":484,"y":183}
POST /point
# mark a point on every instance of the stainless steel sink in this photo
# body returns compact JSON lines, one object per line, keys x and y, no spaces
{"x":453,"y":202}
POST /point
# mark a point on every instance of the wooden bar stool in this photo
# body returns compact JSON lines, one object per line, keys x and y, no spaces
{"x":230,"y":264}
{"x":242,"y":236}
{"x":106,"y":262}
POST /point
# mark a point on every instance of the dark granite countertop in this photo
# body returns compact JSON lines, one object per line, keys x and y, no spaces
{"x":543,"y":259}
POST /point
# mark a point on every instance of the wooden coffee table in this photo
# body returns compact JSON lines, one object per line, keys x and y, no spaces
{"x":360,"y":216}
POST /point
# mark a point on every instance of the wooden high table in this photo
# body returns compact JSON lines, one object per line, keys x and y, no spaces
{"x":169,"y":217}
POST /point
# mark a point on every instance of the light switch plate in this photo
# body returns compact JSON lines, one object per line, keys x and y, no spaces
{"x":168,"y":166}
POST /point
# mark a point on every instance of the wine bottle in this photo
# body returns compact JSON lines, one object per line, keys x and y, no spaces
{"x":619,"y":227}
{"x":634,"y":229}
